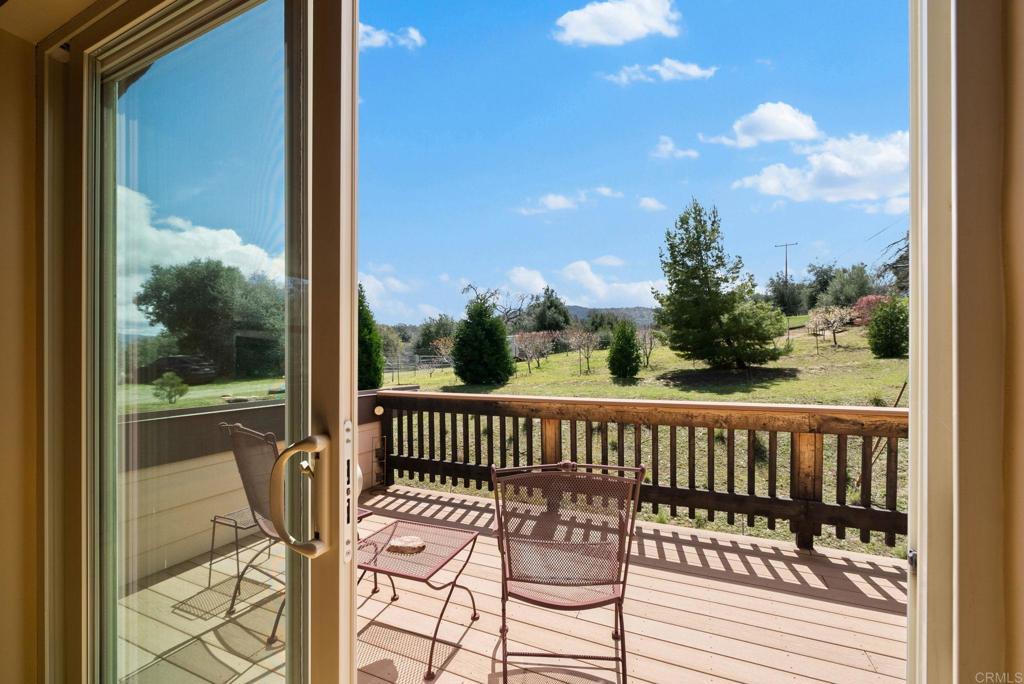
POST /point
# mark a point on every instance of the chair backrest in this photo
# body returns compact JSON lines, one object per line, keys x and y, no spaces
{"x":255,"y":455}
{"x":567,"y":524}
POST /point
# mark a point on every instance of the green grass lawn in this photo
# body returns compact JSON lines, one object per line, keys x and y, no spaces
{"x":139,"y":398}
{"x":810,"y":374}
{"x":797,"y":321}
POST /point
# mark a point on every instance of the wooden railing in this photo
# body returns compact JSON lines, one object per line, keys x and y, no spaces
{"x":843,"y":467}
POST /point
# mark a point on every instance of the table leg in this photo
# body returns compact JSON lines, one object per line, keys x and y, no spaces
{"x":451,"y":590}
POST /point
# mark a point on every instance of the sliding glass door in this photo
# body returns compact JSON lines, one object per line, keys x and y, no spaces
{"x":210,"y":537}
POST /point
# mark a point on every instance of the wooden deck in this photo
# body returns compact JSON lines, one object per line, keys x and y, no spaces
{"x":700,"y":607}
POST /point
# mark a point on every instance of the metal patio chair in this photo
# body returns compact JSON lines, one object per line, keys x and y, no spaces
{"x":255,"y":455}
{"x":564,"y":534}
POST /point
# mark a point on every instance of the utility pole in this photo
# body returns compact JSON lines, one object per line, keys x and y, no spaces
{"x":786,"y":246}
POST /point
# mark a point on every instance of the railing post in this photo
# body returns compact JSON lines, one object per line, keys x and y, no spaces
{"x":550,"y":440}
{"x":807,"y":476}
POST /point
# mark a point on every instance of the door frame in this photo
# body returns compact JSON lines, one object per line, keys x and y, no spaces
{"x":323,"y":41}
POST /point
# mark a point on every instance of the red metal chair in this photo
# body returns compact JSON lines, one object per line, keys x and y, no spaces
{"x":564,"y":533}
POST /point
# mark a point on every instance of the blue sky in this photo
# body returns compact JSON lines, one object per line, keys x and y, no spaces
{"x":521,"y":144}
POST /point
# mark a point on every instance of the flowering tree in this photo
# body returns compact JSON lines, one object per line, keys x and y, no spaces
{"x":865,"y":308}
{"x":831,"y":319}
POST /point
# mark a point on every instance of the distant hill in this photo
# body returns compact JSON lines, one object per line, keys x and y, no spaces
{"x":641,"y":315}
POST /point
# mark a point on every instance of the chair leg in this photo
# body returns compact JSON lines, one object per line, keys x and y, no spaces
{"x":394,"y":592}
{"x":622,"y":638}
{"x":504,"y":640}
{"x":238,"y":580}
{"x":273,"y":633}
{"x":615,"y":627}
{"x":238,"y":564}
{"x":213,"y":537}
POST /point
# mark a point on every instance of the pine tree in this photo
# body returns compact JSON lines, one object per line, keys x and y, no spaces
{"x":549,"y":312}
{"x":371,"y":349}
{"x":708,"y":310}
{"x":624,"y":351}
{"x":481,"y":355}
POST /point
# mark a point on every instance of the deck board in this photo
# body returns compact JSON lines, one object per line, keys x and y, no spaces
{"x":700,"y":607}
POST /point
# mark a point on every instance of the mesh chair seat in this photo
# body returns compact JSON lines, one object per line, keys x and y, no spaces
{"x":565,"y":597}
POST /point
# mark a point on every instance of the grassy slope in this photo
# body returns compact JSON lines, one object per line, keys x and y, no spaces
{"x":140,"y":397}
{"x":848,"y":374}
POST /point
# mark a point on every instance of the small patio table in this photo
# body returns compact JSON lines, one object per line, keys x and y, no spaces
{"x":442,"y":545}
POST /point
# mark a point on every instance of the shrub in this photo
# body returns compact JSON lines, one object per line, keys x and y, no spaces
{"x":889,"y":330}
{"x":829,"y":319}
{"x":371,"y":348}
{"x":169,"y":387}
{"x":624,"y":351}
{"x":865,"y":308}
{"x":481,"y":355}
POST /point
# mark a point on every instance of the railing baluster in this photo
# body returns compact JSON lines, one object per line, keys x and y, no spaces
{"x":730,"y":470}
{"x":588,"y":449}
{"x":604,"y":444}
{"x":389,"y":447}
{"x":466,"y":447}
{"x":430,"y":443}
{"x":621,"y":445}
{"x":419,"y":440}
{"x":691,"y":463}
{"x":454,"y":434}
{"x":529,"y":441}
{"x":515,"y":441}
{"x":442,"y":425}
{"x":503,"y":440}
{"x":751,"y":470}
{"x":573,"y":446}
{"x":865,"y":481}
{"x":773,"y":471}
{"x":400,"y":439}
{"x":410,"y":438}
{"x":673,"y":448}
{"x":711,"y":467}
{"x":654,"y":462}
{"x":637,"y":441}
{"x":477,"y":454}
{"x":891,"y":480}
{"x":490,"y":447}
{"x":841,"y":480}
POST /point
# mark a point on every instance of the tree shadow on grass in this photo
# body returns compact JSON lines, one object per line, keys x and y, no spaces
{"x":470,"y":389}
{"x":626,"y":382}
{"x":726,"y":381}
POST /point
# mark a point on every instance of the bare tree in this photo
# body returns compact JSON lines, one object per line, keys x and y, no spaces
{"x":648,"y":340}
{"x":534,"y":346}
{"x":509,"y":306}
{"x":583,"y":342}
{"x":443,"y":347}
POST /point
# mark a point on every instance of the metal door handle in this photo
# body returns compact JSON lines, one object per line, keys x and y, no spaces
{"x":319,"y":446}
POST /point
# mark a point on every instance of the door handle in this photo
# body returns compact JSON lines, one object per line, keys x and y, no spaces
{"x":319,"y":447}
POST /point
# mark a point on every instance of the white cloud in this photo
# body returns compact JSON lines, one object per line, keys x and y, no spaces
{"x":628,"y":74}
{"x":428,"y":310}
{"x":381,"y":294}
{"x":409,"y":37}
{"x":666,"y":149}
{"x":650,"y":204}
{"x":667,"y":70}
{"x":527,"y":280}
{"x":598,"y":291}
{"x":558,"y":202}
{"x":857,"y":168}
{"x":614,"y":22}
{"x":549,"y":202}
{"x":605,"y":191}
{"x":381,"y":267}
{"x":152,"y":241}
{"x":444,"y":277}
{"x":770,"y":122}
{"x":674,"y":70}
{"x":608,"y":260}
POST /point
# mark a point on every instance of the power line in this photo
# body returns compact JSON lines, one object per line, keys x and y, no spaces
{"x":873,"y":236}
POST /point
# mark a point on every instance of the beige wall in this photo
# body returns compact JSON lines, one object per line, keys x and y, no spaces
{"x":18,"y":342}
{"x":1013,"y":259}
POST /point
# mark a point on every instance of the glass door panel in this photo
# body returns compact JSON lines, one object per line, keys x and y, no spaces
{"x":203,"y":361}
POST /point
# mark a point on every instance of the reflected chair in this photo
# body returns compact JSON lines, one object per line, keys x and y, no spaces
{"x":564,"y":534}
{"x":255,"y":455}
